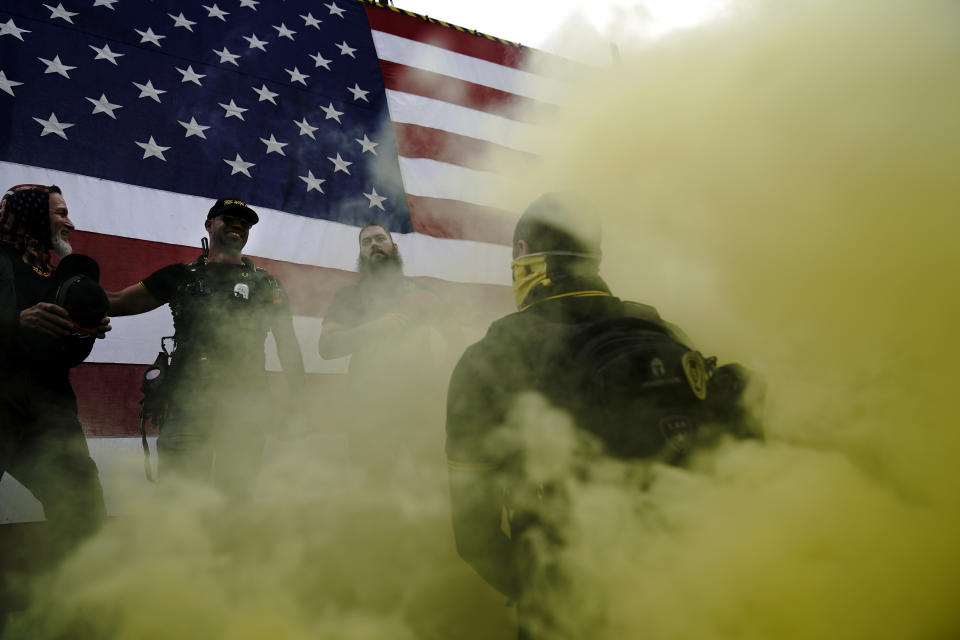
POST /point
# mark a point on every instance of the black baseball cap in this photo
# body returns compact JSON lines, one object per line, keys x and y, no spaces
{"x":233,"y":207}
{"x":77,"y":264}
{"x":79,"y":291}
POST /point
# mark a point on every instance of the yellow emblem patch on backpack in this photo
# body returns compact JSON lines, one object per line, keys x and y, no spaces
{"x":696,"y":372}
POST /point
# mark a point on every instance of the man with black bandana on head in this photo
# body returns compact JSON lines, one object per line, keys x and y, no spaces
{"x":218,"y":411}
{"x":41,"y":440}
{"x":626,"y":378}
{"x":390,"y":325}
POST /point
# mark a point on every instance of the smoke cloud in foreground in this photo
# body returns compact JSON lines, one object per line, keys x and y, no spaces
{"x":782,"y":185}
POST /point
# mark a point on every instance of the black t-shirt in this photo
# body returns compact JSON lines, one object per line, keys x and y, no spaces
{"x":222,"y":313}
{"x":362,"y":302}
{"x":21,"y":287}
{"x":385,"y":355}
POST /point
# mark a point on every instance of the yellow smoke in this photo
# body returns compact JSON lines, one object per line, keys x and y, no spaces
{"x":783,"y":186}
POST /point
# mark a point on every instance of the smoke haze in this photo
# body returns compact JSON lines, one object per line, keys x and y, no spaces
{"x":781,"y":184}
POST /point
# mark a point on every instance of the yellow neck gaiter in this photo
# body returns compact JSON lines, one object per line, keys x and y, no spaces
{"x":528,"y":271}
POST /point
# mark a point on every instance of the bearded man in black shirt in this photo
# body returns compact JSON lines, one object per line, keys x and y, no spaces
{"x":223,"y":307}
{"x":394,"y":329}
{"x":41,"y":440}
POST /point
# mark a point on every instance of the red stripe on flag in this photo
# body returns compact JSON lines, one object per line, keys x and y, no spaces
{"x":121,"y":259}
{"x":310,"y":288}
{"x":443,"y":218}
{"x":415,"y":28}
{"x":108,"y":395}
{"x":437,"y":86}
{"x":414,"y":141}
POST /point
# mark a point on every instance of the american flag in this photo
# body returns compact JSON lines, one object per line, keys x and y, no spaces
{"x":321,"y":115}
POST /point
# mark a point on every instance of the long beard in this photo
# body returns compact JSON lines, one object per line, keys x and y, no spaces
{"x":60,"y":245}
{"x":391,"y":264}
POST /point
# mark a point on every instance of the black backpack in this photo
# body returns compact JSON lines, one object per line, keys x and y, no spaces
{"x":645,"y":394}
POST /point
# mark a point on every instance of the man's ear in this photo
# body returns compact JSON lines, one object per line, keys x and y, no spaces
{"x":207,"y":224}
{"x":521,"y":248}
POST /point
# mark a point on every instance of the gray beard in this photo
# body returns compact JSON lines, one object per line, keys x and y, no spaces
{"x":60,"y":246}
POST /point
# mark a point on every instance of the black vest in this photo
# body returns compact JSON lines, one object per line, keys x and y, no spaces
{"x":221,"y":316}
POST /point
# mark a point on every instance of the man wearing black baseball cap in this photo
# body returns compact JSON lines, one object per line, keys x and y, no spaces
{"x":214,"y":387}
{"x":231,"y":207}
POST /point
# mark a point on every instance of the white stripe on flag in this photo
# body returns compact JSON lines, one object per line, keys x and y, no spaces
{"x":431,"y":58}
{"x":427,"y":112}
{"x":433,"y":179}
{"x":458,"y":260}
{"x":119,"y":209}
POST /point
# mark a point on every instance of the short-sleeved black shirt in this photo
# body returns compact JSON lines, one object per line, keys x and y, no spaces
{"x":359,"y":303}
{"x":222,"y":314}
{"x":364,"y":302}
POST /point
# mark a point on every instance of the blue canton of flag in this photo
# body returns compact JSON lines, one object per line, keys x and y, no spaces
{"x":278,"y":103}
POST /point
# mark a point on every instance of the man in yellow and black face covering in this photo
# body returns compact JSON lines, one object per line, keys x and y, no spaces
{"x":628,"y":382}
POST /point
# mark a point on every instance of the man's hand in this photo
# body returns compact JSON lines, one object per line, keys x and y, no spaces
{"x":46,"y":318}
{"x":392,"y":322}
{"x":103,"y":327}
{"x":414,"y":308}
{"x":419,"y":304}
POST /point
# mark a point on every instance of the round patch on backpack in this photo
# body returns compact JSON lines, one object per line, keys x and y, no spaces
{"x":696,"y":372}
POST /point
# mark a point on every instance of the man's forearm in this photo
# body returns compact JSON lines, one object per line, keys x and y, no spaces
{"x":339,"y":341}
{"x":131,"y":301}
